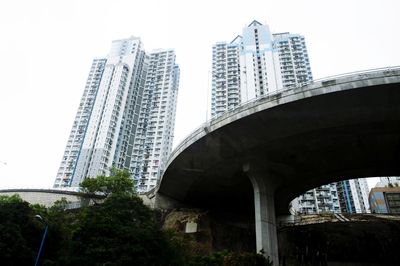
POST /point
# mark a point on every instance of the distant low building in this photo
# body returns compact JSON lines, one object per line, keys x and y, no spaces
{"x":48,"y":197}
{"x":385,"y":200}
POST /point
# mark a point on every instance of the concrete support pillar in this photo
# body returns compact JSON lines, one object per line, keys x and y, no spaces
{"x":265,"y":218}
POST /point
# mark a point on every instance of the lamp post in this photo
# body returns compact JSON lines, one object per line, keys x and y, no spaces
{"x":40,"y":218}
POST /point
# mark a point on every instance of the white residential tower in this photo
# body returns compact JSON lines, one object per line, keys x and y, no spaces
{"x":254,"y":64}
{"x":108,"y":129}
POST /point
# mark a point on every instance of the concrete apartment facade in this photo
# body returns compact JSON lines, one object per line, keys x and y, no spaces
{"x":254,"y":64}
{"x":108,"y":128}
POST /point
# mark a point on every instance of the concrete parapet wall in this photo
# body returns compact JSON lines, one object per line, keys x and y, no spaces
{"x":43,"y":196}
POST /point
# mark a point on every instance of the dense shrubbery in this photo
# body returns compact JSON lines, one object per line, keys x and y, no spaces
{"x":120,"y":231}
{"x":17,"y":231}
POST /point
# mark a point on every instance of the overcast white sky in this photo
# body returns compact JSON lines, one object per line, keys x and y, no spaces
{"x":46,"y":49}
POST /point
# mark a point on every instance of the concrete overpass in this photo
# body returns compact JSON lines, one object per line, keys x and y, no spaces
{"x":258,"y":157}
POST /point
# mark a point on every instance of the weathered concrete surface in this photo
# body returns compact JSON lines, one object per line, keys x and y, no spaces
{"x":46,"y":197}
{"x":300,"y":138}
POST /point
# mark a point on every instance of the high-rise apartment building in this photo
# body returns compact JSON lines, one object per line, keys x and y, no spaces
{"x":318,"y":200}
{"x":353,"y":195}
{"x":225,"y":74}
{"x":154,"y":135}
{"x":348,"y":196}
{"x":108,"y":129}
{"x":75,"y":140}
{"x":293,"y":57}
{"x":255,"y":64}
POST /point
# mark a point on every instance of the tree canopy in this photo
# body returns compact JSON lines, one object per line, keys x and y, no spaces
{"x":18,"y":231}
{"x":120,"y":231}
{"x":119,"y":181}
{"x":10,"y":199}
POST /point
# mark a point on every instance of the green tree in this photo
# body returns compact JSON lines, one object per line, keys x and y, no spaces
{"x":121,"y":231}
{"x":19,"y":234}
{"x":119,"y":181}
{"x":10,"y":199}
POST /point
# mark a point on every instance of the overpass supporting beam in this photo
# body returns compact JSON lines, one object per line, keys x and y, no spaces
{"x":265,"y":218}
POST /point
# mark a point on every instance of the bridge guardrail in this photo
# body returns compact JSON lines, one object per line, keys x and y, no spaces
{"x":349,"y":74}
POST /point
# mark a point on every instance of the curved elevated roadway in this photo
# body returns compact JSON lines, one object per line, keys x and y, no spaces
{"x":258,"y":157}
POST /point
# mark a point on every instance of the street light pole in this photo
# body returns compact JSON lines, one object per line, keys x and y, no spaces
{"x":43,"y":238}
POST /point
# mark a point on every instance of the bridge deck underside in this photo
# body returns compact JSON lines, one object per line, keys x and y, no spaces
{"x":301,"y":145}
